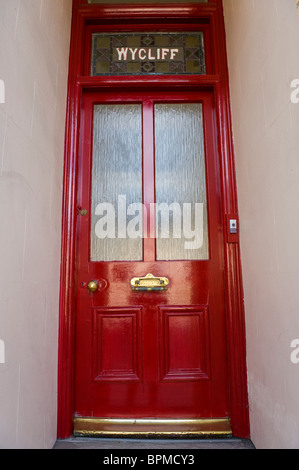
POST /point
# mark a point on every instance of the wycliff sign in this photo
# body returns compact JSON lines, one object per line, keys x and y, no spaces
{"x":147,"y":54}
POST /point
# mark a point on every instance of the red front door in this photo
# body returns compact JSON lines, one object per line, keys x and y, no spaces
{"x":149,"y":204}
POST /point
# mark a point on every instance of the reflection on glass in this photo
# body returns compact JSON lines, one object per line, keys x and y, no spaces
{"x":182,"y":225}
{"x":117,"y":184}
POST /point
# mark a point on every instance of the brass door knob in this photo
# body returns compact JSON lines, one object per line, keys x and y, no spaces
{"x":93,"y":286}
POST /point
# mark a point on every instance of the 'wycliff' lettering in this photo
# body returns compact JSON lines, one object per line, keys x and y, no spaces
{"x":146,"y":53}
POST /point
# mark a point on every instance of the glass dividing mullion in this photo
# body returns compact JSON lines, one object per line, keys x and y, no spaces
{"x":149,"y":246}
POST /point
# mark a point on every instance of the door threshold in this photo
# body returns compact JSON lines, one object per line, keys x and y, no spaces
{"x":153,"y":428}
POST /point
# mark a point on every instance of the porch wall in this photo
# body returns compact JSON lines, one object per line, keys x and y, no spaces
{"x":34,"y":38}
{"x":263,"y":45}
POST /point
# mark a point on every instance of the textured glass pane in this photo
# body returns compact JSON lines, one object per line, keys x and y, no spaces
{"x":172,"y":53}
{"x":116,"y":227}
{"x":182,"y":228}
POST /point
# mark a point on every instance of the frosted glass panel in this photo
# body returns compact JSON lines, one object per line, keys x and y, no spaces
{"x":182,"y":226}
{"x":116,"y":226}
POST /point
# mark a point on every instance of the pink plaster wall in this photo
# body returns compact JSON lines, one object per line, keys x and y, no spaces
{"x":263,"y":48}
{"x":34,"y":38}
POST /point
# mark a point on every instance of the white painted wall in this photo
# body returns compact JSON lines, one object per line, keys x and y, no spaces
{"x":263,"y":51}
{"x":34,"y":50}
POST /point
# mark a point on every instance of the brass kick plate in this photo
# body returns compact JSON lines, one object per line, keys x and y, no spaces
{"x":149,"y":283}
{"x":153,"y":428}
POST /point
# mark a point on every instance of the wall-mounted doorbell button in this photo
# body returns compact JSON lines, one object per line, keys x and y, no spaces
{"x":233,"y":226}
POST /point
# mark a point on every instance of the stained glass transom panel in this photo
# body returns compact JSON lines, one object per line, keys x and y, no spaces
{"x":148,"y":54}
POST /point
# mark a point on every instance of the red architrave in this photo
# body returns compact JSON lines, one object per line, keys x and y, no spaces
{"x":169,"y":14}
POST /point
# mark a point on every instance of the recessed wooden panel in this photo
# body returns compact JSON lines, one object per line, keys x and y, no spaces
{"x":184,"y":343}
{"x":116,"y":344}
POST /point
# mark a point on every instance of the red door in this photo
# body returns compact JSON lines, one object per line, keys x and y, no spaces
{"x":150,"y":328}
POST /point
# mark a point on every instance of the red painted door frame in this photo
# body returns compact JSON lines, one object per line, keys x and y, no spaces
{"x":210,"y":17}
